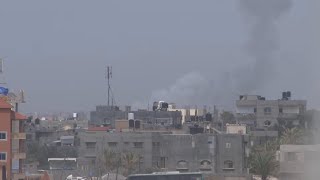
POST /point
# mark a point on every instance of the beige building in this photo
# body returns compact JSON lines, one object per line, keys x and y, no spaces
{"x":236,"y":129}
{"x":299,"y":162}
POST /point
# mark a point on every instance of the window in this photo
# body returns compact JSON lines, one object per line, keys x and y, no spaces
{"x":267,"y":123}
{"x":228,"y":145}
{"x":292,"y":156}
{"x":3,"y":136}
{"x":182,"y":165}
{"x":112,"y":144}
{"x":156,"y":144}
{"x":255,"y":110}
{"x":228,"y":165}
{"x":138,"y":144}
{"x":205,"y":165}
{"x":280,"y":110}
{"x":126,"y":143}
{"x":3,"y":156}
{"x":91,"y":145}
{"x":267,"y":110}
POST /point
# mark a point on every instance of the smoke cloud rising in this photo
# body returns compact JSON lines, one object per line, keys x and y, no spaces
{"x":261,"y":16}
{"x":193,"y":87}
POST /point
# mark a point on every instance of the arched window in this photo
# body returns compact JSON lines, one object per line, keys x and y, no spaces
{"x":228,"y":165}
{"x":205,"y":162}
{"x":205,"y":165}
{"x":267,"y":123}
{"x":182,"y":165}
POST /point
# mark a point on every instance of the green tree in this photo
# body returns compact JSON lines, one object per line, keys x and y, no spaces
{"x":109,"y":160}
{"x":263,"y":163}
{"x":292,"y":136}
{"x":129,"y":161}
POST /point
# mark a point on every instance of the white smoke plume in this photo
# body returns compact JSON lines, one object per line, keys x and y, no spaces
{"x":193,"y":87}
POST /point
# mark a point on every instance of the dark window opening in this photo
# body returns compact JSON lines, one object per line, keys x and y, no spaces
{"x":228,"y":165}
{"x":267,"y":110}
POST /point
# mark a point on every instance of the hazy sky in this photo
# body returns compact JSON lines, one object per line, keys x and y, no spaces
{"x":57,"y":51}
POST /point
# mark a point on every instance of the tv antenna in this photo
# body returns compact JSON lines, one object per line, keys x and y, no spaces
{"x":3,"y":81}
{"x":109,"y":77}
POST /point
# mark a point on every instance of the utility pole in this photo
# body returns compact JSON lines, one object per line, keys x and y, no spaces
{"x":109,"y":76}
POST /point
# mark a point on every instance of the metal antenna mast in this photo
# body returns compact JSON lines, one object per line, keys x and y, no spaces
{"x":3,"y":81}
{"x":109,"y":76}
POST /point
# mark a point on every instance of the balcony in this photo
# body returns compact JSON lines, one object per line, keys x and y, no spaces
{"x":248,"y":119}
{"x":291,"y":116}
{"x":19,"y":155}
{"x":19,"y":136}
{"x":17,"y":176}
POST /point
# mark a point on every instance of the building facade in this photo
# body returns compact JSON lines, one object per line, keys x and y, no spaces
{"x":259,"y":113}
{"x":12,"y":143}
{"x":223,"y":154}
{"x":299,"y":162}
{"x":108,"y":115}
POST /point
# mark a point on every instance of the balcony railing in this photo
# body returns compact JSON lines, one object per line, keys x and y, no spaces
{"x":19,"y":136}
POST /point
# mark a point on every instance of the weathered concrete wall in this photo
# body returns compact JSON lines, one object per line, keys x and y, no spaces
{"x":183,"y":152}
{"x":231,"y":148}
{"x":189,"y":152}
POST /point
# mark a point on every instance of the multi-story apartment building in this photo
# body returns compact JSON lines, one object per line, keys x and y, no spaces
{"x":259,"y":113}
{"x":222,"y":154}
{"x":12,"y":137}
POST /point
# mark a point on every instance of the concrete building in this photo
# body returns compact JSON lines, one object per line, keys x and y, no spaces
{"x":259,"y":113}
{"x":108,"y":115}
{"x":223,"y":154}
{"x":299,"y":162}
{"x":12,"y":143}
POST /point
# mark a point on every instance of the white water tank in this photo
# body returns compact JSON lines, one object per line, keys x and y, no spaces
{"x":130,"y":116}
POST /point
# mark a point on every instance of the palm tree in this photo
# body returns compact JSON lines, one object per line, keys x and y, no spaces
{"x":263,"y":163}
{"x":129,"y":161}
{"x":292,"y":136}
{"x":109,"y":159}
